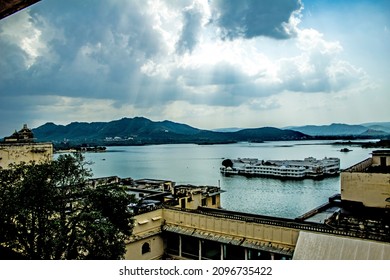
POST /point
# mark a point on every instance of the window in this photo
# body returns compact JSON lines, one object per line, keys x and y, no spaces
{"x":145,"y":248}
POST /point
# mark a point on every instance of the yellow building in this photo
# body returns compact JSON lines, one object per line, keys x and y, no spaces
{"x":187,"y":222}
{"x":147,"y":242}
{"x":20,"y":147}
{"x":154,"y":198}
{"x":368,"y":182}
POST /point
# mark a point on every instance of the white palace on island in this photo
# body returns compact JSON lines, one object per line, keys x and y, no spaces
{"x":290,"y":169}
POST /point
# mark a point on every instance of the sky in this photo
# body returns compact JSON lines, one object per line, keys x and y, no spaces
{"x":207,"y":63}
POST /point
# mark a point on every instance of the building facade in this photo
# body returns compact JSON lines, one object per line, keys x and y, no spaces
{"x":20,"y":147}
{"x":368,"y":182}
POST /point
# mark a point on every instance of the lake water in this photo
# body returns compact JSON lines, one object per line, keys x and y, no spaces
{"x":199,"y":165}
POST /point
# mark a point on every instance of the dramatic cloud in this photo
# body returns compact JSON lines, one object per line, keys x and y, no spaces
{"x":318,"y":68}
{"x":191,"y":29}
{"x":189,"y":61}
{"x":97,"y":53}
{"x":251,"y":18}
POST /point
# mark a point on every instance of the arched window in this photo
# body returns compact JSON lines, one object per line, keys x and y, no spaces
{"x":145,"y":248}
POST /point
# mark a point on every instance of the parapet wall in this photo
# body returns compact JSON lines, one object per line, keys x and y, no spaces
{"x":24,"y":152}
{"x":360,"y":167}
{"x":371,"y":189}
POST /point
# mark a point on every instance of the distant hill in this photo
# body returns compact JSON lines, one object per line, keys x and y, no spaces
{"x":227,"y":129}
{"x":375,"y":129}
{"x":267,"y":134}
{"x":139,"y":131}
{"x":381,"y":126}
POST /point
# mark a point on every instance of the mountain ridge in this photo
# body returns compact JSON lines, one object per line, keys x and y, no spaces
{"x":140,"y":130}
{"x":340,"y":129}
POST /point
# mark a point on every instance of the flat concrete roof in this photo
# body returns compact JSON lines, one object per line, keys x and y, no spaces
{"x":316,"y":246}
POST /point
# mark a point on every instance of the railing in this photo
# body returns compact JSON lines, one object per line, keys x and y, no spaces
{"x":272,"y":221}
{"x":359,"y":167}
{"x":279,"y":222}
{"x":143,"y":210}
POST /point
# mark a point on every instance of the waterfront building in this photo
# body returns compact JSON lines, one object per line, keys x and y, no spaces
{"x":24,"y":135}
{"x":21,"y":147}
{"x":154,"y":198}
{"x":284,"y":169}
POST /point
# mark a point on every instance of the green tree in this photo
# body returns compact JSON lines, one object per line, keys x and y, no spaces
{"x":51,"y":211}
{"x":8,"y":210}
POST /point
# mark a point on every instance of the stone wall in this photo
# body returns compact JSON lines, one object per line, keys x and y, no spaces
{"x":24,"y":152}
{"x":372,"y":189}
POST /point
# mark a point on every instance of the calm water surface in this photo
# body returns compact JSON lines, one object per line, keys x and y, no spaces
{"x":199,"y":165}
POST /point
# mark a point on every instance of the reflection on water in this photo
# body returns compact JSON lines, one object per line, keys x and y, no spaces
{"x":199,"y":165}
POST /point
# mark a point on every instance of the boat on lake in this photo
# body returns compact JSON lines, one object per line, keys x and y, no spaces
{"x":285,"y":169}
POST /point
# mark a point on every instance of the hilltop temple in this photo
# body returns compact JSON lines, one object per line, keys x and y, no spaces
{"x":23,"y":135}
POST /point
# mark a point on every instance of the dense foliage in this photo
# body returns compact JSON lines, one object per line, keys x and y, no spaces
{"x":50,"y":211}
